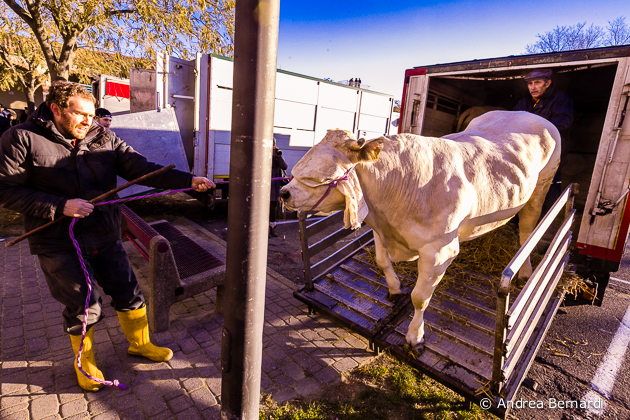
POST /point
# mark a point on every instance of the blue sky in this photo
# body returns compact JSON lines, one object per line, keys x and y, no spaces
{"x":378,"y":40}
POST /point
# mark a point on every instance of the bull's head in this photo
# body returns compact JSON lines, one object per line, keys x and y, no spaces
{"x":326,"y":162}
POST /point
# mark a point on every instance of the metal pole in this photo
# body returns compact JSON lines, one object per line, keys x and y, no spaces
{"x":255,"y":50}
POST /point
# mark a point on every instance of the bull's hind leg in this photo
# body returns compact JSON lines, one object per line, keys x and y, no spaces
{"x":528,"y":219}
{"x":385,"y":263}
{"x":432,"y":264}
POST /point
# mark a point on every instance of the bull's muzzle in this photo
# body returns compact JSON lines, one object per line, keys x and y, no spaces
{"x":285,"y":195}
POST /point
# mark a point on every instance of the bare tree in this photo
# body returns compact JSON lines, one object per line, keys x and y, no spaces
{"x":579,"y":36}
{"x":618,"y":32}
{"x":565,"y":38}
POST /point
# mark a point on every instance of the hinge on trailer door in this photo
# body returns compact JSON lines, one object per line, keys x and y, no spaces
{"x":607,"y":206}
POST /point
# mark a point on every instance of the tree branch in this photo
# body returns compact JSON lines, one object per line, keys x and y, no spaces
{"x":26,"y":17}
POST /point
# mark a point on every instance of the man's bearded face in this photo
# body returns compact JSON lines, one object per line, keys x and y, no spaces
{"x":75,"y":120}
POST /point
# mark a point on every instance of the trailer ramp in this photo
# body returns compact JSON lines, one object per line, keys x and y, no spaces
{"x":477,"y":342}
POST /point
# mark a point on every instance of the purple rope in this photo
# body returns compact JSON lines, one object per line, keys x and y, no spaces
{"x":89,"y":282}
{"x":332,"y":184}
{"x":85,"y":314}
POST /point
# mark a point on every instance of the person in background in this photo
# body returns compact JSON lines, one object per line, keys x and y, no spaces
{"x":278,"y":166}
{"x":103,"y":117}
{"x":13,"y":119}
{"x":5,"y":119}
{"x":51,"y":166}
{"x":555,"y":106}
{"x":24,"y":115}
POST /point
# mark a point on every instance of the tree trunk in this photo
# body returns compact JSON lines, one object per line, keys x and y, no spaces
{"x":29,"y":92}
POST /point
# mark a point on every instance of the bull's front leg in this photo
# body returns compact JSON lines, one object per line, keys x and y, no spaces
{"x":385,"y":263}
{"x":432,"y":265}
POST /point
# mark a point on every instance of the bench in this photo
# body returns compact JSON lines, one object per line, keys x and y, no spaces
{"x":178,"y":267}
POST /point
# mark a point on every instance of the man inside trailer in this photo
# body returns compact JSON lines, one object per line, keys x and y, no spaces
{"x":554,"y":105}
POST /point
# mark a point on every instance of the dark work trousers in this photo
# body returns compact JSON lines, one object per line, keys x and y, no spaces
{"x":272,"y":211}
{"x":109,"y":267}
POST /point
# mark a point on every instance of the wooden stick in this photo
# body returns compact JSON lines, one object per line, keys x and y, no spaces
{"x":94,"y":200}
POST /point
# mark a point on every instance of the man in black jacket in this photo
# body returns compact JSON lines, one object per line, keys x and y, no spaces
{"x":51,"y":166}
{"x":555,"y":106}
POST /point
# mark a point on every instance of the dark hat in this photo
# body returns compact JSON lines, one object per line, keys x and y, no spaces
{"x":538,"y":74}
{"x":102,"y":112}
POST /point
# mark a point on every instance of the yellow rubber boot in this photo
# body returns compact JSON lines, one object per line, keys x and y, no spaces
{"x":87,"y":361}
{"x":136,"y":328}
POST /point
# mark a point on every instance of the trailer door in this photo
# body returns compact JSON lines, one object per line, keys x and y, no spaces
{"x":604,"y":228}
{"x":413,"y":101}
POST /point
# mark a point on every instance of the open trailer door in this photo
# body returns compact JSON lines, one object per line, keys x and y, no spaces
{"x":604,"y":226}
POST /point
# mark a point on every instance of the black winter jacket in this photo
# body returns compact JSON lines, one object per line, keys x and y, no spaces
{"x":40,"y":170}
{"x":556,"y":107}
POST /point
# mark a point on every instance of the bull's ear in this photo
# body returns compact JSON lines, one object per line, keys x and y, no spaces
{"x":370,"y":150}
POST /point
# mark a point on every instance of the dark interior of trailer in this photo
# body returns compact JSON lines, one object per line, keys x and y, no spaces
{"x":589,"y":86}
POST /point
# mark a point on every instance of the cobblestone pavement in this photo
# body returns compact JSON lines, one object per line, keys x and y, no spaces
{"x":301,"y":354}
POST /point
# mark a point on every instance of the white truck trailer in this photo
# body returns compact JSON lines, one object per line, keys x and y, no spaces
{"x":199,"y":92}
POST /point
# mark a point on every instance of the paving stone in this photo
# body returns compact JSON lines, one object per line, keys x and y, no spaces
{"x":285,"y":395}
{"x":294,"y":371}
{"x":12,"y":343}
{"x":125,"y":402}
{"x":145,"y":389}
{"x":345,"y":365}
{"x":72,"y":408}
{"x":66,"y":397}
{"x":188,"y":345}
{"x":203,"y":398}
{"x":109,"y":415}
{"x":13,"y":409}
{"x":18,"y":415}
{"x":153,"y":405}
{"x":192,"y":384}
{"x":13,"y":382}
{"x":212,"y":413}
{"x":44,"y":406}
{"x":190,"y":414}
{"x":180,"y":404}
{"x":79,"y":416}
{"x":275,"y":373}
{"x":214,"y":385}
{"x":12,"y":332}
{"x":133,"y":414}
{"x":283,"y":381}
{"x":11,"y":401}
{"x":307,"y":387}
{"x":326,"y":375}
{"x":100,"y":406}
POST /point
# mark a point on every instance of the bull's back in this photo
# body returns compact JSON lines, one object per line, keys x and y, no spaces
{"x":505,"y":154}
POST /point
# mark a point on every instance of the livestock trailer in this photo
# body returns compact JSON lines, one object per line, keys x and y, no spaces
{"x":200,"y":93}
{"x":598,"y":155}
{"x":482,"y":334}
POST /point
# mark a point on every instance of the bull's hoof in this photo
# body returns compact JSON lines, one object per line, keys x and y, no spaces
{"x":414,"y":351}
{"x":394,"y":297}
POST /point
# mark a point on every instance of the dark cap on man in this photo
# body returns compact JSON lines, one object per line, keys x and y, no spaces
{"x":538,"y":74}
{"x":102,"y":112}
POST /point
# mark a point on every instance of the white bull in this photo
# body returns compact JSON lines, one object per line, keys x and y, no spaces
{"x":422,"y":196}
